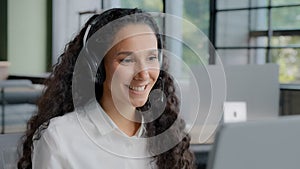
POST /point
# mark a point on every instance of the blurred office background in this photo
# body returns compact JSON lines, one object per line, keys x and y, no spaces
{"x":245,"y":34}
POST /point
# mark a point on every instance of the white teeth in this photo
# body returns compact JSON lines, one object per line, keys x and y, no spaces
{"x":140,"y":88}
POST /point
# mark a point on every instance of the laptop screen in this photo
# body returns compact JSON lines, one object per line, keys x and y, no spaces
{"x":266,"y":144}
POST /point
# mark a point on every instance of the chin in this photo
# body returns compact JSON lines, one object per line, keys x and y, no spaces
{"x":138,"y":103}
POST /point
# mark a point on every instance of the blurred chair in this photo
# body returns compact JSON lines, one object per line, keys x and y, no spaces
{"x":17,"y":99}
{"x":8,"y":150}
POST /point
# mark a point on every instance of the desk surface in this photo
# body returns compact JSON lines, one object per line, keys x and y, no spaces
{"x":15,"y":83}
{"x":201,"y":147}
{"x":290,"y":87}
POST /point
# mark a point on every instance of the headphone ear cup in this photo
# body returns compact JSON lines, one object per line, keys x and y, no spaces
{"x":160,"y":58}
{"x":100,"y":76}
{"x":99,"y":80}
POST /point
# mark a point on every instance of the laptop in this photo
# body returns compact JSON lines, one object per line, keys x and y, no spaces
{"x":265,"y":144}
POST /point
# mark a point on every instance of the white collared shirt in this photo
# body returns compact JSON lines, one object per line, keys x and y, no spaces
{"x":89,"y":139}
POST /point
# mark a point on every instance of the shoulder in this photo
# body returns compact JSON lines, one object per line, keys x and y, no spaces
{"x":63,"y":125}
{"x":63,"y":121}
{"x":57,"y":126}
{"x":49,"y":142}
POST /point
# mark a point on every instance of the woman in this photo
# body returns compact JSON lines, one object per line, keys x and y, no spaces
{"x":61,"y":135}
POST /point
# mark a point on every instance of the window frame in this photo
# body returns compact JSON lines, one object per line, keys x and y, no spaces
{"x":269,"y":33}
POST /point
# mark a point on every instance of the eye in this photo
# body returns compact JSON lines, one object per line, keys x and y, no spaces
{"x":127,"y":60}
{"x":152,"y":58}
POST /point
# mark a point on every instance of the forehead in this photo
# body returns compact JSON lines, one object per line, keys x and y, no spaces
{"x":135,"y":37}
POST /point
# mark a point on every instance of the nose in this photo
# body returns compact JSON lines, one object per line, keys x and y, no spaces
{"x":142,"y":75}
{"x":142,"y":72}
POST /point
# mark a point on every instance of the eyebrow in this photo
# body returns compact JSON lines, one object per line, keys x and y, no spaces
{"x":127,"y":53}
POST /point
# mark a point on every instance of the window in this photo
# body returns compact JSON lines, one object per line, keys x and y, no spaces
{"x":196,"y":12}
{"x":151,"y":6}
{"x":258,"y":32}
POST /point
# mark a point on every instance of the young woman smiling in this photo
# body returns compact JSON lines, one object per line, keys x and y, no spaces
{"x":114,"y":130}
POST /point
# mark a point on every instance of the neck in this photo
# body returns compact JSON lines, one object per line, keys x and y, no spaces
{"x":126,"y":120}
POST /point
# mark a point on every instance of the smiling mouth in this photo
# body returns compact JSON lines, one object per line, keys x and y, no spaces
{"x":138,"y":88}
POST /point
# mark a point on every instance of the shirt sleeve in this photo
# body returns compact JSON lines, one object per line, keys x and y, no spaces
{"x":46,"y":152}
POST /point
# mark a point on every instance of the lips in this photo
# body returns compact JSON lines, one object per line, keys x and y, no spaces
{"x":138,"y":88}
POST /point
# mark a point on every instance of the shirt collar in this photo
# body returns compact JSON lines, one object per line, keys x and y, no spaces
{"x":104,"y":123}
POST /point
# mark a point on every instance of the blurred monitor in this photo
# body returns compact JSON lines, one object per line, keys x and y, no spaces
{"x":256,"y":85}
{"x":266,"y":144}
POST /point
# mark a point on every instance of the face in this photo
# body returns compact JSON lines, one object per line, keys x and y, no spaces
{"x":131,"y":66}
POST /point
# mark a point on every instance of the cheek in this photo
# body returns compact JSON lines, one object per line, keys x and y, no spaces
{"x":122,"y":75}
{"x":154,"y":72}
{"x":154,"y":75}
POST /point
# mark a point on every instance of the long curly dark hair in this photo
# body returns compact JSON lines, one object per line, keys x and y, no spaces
{"x":57,"y":97}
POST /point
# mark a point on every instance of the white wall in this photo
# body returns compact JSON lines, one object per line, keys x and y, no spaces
{"x":27,"y":36}
{"x":66,"y":21}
